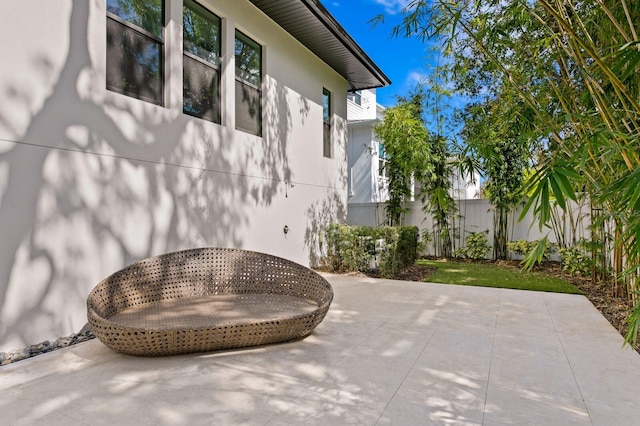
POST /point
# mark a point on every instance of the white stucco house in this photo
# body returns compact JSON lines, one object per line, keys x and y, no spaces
{"x":131,"y":128}
{"x":367,"y":181}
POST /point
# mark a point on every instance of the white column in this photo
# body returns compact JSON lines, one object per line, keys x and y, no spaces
{"x":228,"y":76}
{"x":173,"y":55}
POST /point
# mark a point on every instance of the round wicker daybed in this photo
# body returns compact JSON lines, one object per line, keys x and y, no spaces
{"x":204,"y":300}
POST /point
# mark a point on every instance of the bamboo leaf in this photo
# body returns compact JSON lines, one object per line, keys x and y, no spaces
{"x":631,"y":337}
{"x":545,"y":204}
{"x":535,"y":256}
{"x":565,"y":186}
{"x":555,"y":188}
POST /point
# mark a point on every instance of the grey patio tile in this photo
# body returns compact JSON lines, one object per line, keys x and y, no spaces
{"x":432,"y":411}
{"x":536,"y":365}
{"x":613,"y":414}
{"x":516,"y":406}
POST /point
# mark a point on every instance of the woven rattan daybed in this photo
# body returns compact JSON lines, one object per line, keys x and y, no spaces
{"x":204,"y":300}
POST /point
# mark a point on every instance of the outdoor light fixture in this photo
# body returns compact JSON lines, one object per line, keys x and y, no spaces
{"x":287,"y":185}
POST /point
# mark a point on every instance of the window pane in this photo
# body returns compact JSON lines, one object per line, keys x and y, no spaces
{"x":201,"y":90}
{"x":133,"y":63}
{"x":355,"y":97}
{"x":248,"y":60}
{"x":146,"y":14}
{"x":326,"y":119}
{"x":201,"y":33}
{"x":326,"y":106}
{"x":248,"y":109}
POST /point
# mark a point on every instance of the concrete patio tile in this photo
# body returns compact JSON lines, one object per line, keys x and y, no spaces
{"x":535,"y":365}
{"x":371,"y":378}
{"x":19,"y":411}
{"x":613,"y":413}
{"x":460,"y":353}
{"x":388,"y":352}
{"x":300,"y":414}
{"x":431,"y":411}
{"x":516,"y":406}
{"x":443,"y":395}
{"x":607,"y":378}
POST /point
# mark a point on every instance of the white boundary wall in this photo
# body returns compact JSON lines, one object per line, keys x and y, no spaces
{"x":473,"y":216}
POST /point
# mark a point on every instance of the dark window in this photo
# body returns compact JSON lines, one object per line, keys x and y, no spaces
{"x":248,"y":85}
{"x":201,"y":67}
{"x":326,"y":123}
{"x":134,"y":48}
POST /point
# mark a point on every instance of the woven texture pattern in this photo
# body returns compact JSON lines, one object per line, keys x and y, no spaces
{"x":204,"y":300}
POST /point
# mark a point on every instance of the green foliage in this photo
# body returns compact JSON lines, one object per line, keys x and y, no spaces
{"x":476,"y":246}
{"x":574,"y":71}
{"x":347,"y":249}
{"x":634,"y":323}
{"x":533,"y":252}
{"x":404,"y":136}
{"x":414,"y":154}
{"x":408,"y":245}
{"x":576,"y":260}
{"x":350,"y":248}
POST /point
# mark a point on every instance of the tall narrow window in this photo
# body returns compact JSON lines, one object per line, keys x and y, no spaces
{"x":382,"y":161}
{"x":134,"y":48}
{"x":326,"y":123}
{"x":248,"y":85}
{"x":201,"y":66}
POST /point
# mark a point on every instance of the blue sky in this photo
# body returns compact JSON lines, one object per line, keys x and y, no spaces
{"x":404,"y":61}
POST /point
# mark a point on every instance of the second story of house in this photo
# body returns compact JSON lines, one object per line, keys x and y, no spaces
{"x":366,"y":156}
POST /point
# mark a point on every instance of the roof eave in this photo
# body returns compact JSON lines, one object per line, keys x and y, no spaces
{"x":351,"y":61}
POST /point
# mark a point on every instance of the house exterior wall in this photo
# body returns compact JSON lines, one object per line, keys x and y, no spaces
{"x":361,"y":150}
{"x":91,"y":180}
{"x":367,"y":108}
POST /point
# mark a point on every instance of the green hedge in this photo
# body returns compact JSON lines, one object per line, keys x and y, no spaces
{"x":349,"y":248}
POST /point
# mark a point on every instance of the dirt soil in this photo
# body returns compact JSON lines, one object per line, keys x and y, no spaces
{"x":614,"y":309}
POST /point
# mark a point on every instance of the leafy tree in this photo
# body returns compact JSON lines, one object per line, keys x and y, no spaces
{"x":404,"y":135}
{"x":496,"y":134}
{"x":415,"y":155}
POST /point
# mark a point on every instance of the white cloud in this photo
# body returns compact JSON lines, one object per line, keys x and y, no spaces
{"x":415,"y":77}
{"x":393,"y":7}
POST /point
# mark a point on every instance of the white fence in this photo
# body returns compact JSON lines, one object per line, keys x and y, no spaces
{"x":476,"y":215}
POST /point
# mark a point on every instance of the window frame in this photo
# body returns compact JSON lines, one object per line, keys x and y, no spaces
{"x":327,"y":113}
{"x":355,"y":97}
{"x":159,"y":41}
{"x":239,"y":79}
{"x":201,"y":10}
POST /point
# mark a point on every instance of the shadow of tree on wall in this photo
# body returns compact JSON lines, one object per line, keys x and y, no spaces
{"x":333,"y":207}
{"x":95,"y":183}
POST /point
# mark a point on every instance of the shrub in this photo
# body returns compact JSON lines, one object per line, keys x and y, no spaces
{"x":524,"y":248}
{"x":350,"y":248}
{"x":475,"y":247}
{"x":577,"y":260}
{"x":408,"y":245}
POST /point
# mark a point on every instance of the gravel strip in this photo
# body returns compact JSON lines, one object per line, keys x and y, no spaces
{"x":10,"y":357}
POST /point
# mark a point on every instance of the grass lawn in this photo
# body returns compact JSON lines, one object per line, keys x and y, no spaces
{"x":490,"y":275}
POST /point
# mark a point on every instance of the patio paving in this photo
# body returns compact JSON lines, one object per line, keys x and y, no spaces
{"x":388,"y":353}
